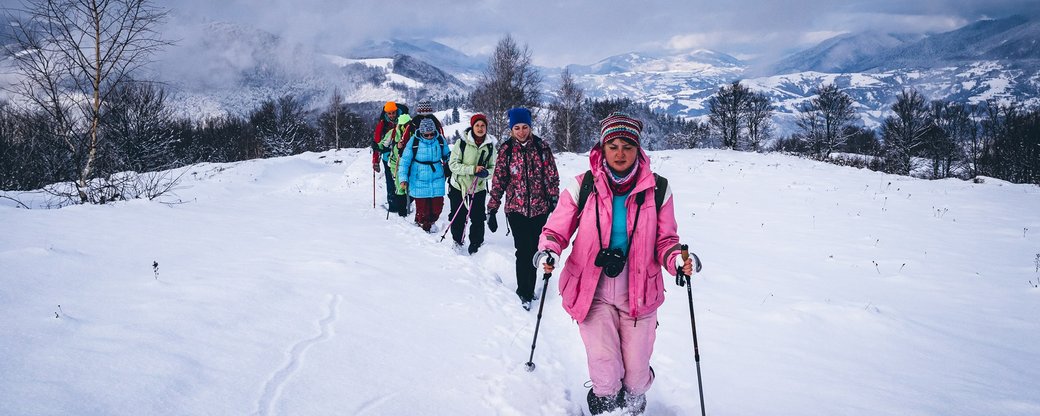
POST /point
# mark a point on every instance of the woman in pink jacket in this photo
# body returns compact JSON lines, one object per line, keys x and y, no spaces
{"x":612,"y":283}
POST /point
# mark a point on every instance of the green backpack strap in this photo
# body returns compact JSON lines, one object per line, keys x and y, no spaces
{"x":660,"y":187}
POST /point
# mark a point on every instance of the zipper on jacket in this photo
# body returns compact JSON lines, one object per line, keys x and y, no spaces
{"x":527,"y":179}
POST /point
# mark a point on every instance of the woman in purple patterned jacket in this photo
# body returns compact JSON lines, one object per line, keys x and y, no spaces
{"x":526,"y":174}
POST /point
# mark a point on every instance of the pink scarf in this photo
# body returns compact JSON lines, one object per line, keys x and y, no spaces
{"x":621,"y":185}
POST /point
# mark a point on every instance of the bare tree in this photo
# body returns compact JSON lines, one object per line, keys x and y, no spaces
{"x":281,"y":128}
{"x":758,"y":110}
{"x":336,"y":110}
{"x":510,"y":80}
{"x":906,"y":132}
{"x":74,"y":54}
{"x":568,"y":120}
{"x":726,"y":113}
{"x":136,"y":129}
{"x":954,"y":129}
{"x":825,"y":120}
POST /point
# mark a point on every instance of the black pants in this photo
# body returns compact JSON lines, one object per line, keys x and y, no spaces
{"x":476,"y":218}
{"x":394,"y":202}
{"x":525,"y":238}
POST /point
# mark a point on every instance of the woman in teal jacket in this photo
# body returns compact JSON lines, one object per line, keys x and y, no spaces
{"x":421,"y":172}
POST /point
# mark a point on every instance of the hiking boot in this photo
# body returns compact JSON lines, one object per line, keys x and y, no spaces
{"x":599,"y":405}
{"x":459,"y":248}
{"x":473,"y":248}
{"x":526,"y":305}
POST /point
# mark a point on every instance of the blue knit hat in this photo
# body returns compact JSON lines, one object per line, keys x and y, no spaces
{"x":519,"y":115}
{"x":427,"y":126}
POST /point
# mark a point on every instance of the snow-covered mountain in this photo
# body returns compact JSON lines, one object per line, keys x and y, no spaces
{"x":231,"y":68}
{"x":988,"y":60}
{"x":840,"y":53}
{"x":462,"y":66}
{"x":700,"y":62}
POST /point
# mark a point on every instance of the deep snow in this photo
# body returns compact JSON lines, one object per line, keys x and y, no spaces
{"x":280,"y":290}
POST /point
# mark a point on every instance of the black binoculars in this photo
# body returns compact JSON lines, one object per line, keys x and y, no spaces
{"x":612,"y":260}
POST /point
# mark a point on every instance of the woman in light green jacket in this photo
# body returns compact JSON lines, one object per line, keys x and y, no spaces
{"x":472,"y":161}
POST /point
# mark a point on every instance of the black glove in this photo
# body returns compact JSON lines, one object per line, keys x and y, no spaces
{"x":492,"y":220}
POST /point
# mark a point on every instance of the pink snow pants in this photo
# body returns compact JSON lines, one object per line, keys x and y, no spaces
{"x":618,"y":347}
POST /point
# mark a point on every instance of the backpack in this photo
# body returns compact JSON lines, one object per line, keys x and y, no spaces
{"x":587,"y":183}
{"x":444,"y":161}
{"x":481,"y":161}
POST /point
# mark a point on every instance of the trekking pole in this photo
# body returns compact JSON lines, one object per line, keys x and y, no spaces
{"x":472,"y":187}
{"x":684,"y":280}
{"x":373,"y":189}
{"x":545,"y":286}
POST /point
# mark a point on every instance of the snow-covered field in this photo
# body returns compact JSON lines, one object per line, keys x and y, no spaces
{"x":280,"y":290}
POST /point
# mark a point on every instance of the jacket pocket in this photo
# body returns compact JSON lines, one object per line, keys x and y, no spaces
{"x":654,"y":290}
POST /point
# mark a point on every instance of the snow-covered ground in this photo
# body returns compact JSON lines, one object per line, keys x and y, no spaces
{"x":280,"y":290}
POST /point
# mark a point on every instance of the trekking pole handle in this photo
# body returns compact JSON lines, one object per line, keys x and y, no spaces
{"x":682,"y":278}
{"x":552,"y":263}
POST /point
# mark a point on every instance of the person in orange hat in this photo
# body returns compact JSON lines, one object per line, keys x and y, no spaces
{"x":386,"y":123}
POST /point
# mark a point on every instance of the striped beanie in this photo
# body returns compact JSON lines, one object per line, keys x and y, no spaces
{"x":424,"y":107}
{"x":619,"y":125}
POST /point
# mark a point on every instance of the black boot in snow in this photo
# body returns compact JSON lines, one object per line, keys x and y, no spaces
{"x":634,"y":404}
{"x":599,"y":405}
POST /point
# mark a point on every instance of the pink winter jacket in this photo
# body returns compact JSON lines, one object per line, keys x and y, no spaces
{"x":656,"y":242}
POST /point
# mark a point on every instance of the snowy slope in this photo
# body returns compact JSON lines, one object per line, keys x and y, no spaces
{"x":280,"y":290}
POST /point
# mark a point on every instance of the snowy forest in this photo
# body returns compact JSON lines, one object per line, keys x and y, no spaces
{"x":87,"y":119}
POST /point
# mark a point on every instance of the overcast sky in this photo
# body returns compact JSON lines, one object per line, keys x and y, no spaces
{"x":585,"y":31}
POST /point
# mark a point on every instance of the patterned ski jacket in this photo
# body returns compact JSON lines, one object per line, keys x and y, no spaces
{"x":654,"y":242}
{"x":424,"y":169}
{"x":526,"y":175}
{"x":463,"y":163}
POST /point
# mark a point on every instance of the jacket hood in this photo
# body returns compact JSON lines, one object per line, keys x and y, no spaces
{"x":644,"y":181}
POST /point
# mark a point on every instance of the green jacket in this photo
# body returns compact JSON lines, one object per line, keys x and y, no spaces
{"x":463,"y":163}
{"x":392,"y":140}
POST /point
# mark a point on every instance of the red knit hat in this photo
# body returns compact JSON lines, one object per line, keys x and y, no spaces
{"x":619,"y":125}
{"x":477,"y":117}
